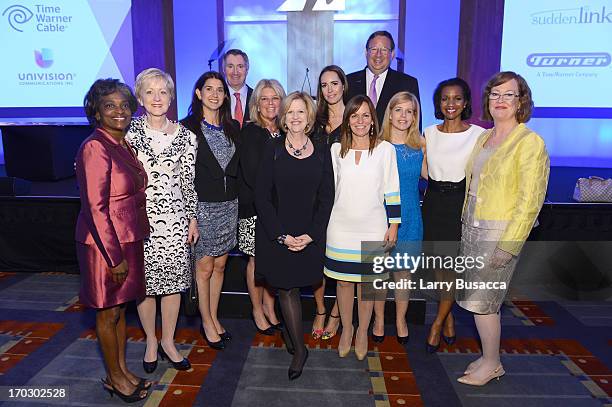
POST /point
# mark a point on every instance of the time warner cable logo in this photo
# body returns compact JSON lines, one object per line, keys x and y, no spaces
{"x":17,"y":15}
{"x":569,"y":59}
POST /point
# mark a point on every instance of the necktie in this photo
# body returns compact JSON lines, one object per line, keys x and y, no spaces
{"x":238,"y":110}
{"x":372,"y":94}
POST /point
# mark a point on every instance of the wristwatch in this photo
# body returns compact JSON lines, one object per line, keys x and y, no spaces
{"x":281,"y":239}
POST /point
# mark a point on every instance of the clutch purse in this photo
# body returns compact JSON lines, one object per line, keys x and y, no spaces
{"x":190,"y":296}
{"x":593,"y":189}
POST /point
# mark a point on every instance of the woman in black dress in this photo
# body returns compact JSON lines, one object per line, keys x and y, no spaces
{"x":264,"y":106}
{"x":331,"y":91}
{"x":294,"y":197}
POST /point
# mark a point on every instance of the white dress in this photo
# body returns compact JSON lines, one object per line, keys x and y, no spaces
{"x":169,"y":160}
{"x":366,"y":200}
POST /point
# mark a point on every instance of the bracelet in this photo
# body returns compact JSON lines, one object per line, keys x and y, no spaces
{"x":281,"y":239}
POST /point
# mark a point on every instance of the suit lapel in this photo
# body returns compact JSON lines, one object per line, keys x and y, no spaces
{"x":386,"y":93}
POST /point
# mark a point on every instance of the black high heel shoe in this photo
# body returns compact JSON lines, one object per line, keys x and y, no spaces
{"x":294,"y":374}
{"x":378,"y":338}
{"x":269,"y":331}
{"x":127,"y":398}
{"x":182,"y":365}
{"x":149,"y":367}
{"x":278,"y":327}
{"x":402,"y":340}
{"x":449,"y":339}
{"x":226,"y":336}
{"x":219,"y":345}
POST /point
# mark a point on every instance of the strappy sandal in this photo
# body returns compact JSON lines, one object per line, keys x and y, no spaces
{"x":317,"y":333}
{"x":327,"y":335}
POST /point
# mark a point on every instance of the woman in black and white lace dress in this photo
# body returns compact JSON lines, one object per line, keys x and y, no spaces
{"x":167,"y":151}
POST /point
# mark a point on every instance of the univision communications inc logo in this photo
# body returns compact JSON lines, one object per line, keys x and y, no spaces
{"x":44,"y":57}
{"x":569,"y":59}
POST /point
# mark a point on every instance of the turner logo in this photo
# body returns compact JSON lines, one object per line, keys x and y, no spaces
{"x":576,"y":59}
{"x":44,"y":57}
{"x":17,"y":15}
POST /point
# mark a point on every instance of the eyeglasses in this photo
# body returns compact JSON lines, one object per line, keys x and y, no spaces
{"x":506,"y":97}
{"x":382,"y":50}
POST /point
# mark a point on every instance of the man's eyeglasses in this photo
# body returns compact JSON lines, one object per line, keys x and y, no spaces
{"x":506,"y":97}
{"x":382,"y":50}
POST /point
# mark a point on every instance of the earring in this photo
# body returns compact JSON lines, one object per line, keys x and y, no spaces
{"x":371,"y":129}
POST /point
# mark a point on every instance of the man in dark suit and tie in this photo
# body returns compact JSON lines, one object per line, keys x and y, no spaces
{"x":236,"y":68}
{"x":377,"y":80}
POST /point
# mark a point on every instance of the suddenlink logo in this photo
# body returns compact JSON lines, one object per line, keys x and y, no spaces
{"x":581,"y":15}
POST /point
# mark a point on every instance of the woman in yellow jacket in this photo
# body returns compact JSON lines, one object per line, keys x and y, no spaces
{"x":506,"y":175}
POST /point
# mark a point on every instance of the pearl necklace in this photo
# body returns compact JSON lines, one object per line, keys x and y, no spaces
{"x":161,"y":129}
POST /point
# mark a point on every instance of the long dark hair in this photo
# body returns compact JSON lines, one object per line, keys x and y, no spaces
{"x":322,"y":106}
{"x":225,"y":112}
{"x":346,"y":134}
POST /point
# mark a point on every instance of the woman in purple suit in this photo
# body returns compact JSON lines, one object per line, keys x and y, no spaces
{"x":111,"y":227}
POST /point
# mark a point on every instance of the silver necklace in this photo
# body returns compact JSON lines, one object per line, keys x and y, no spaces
{"x":297,"y":151}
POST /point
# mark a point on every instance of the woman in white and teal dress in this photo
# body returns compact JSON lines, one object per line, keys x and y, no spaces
{"x":366,"y":209}
{"x":400,"y":127}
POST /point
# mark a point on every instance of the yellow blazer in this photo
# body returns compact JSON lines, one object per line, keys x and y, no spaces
{"x":512,"y":186}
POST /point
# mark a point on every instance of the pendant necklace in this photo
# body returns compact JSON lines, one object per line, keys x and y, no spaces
{"x":297,"y":152}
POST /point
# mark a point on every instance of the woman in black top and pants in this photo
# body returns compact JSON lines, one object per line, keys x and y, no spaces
{"x":294,"y":197}
{"x":216,"y":183}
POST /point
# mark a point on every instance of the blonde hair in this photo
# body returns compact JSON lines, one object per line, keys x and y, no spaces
{"x":254,"y":112}
{"x":413,"y":139}
{"x":153,"y":73}
{"x":310,"y":110}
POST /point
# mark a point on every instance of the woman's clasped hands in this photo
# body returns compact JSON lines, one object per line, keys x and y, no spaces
{"x":297,"y":243}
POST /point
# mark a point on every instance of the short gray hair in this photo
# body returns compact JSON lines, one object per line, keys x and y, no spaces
{"x":153,"y":73}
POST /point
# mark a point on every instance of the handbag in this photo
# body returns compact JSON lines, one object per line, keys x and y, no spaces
{"x":593,"y":189}
{"x":190,"y":296}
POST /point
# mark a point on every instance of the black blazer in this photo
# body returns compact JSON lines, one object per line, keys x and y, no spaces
{"x":394,"y":82}
{"x":253,"y":139}
{"x":247,"y":115}
{"x":212,"y":183}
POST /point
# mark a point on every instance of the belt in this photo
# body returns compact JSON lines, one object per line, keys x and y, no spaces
{"x":446,"y":186}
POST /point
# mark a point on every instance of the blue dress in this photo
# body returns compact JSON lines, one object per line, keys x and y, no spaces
{"x":409,"y":163}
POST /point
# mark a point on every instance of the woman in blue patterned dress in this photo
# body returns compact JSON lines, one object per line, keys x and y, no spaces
{"x":400,"y":127}
{"x":216,"y":183}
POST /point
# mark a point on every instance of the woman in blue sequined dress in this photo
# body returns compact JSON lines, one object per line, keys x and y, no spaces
{"x":400,"y":127}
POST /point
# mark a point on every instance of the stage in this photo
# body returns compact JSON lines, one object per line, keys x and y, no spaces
{"x":37,"y":229}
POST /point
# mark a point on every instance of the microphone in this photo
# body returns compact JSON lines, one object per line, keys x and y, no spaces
{"x":307,"y":78}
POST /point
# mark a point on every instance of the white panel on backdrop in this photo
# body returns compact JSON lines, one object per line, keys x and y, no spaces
{"x":562,"y":48}
{"x":54,"y":50}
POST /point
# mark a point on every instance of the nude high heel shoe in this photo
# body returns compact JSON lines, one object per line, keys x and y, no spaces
{"x":496,"y":374}
{"x":343,"y":352}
